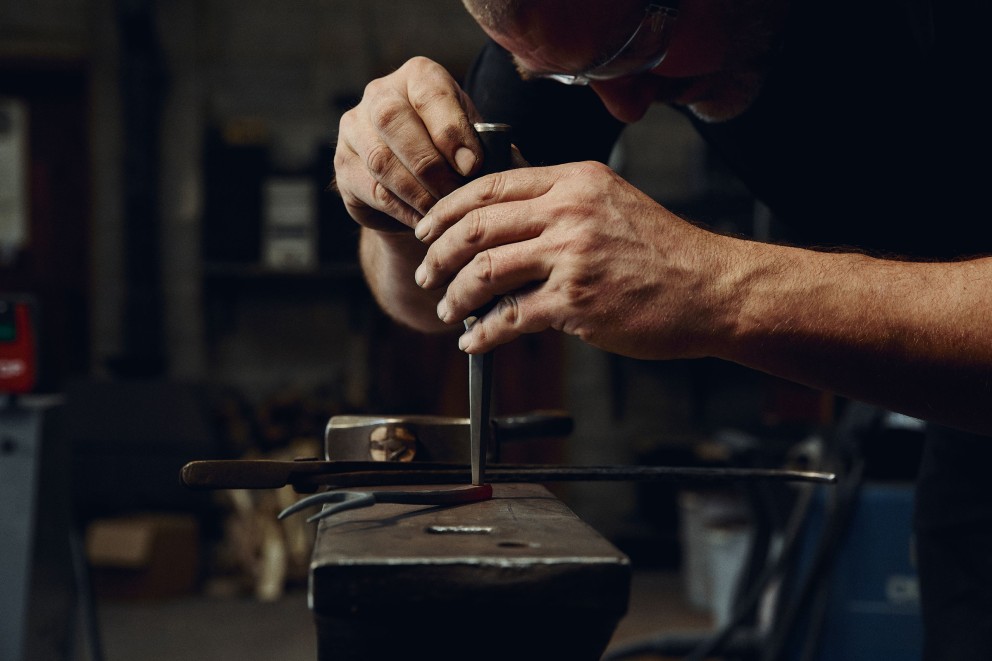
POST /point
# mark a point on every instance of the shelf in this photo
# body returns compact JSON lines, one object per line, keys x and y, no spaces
{"x":254,"y":272}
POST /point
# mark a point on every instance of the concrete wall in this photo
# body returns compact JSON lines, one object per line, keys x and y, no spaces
{"x":285,"y":65}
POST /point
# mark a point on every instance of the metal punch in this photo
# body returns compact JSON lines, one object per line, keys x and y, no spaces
{"x":497,"y":152}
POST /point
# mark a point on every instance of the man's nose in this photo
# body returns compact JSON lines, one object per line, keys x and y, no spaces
{"x":627,"y":99}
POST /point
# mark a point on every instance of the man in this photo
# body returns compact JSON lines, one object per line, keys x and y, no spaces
{"x":854,"y":125}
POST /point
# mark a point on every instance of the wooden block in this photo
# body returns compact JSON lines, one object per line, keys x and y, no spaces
{"x":144,"y":556}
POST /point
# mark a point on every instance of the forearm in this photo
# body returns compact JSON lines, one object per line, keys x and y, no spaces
{"x":908,"y":336}
{"x":388,"y":261}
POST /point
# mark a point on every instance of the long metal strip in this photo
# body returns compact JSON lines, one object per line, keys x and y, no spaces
{"x":309,"y":475}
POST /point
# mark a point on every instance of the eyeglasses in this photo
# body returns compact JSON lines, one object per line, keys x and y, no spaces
{"x":645,"y":49}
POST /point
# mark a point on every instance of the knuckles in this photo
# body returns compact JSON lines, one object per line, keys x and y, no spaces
{"x":420,"y":66}
{"x":509,"y":309}
{"x":587,"y":182}
{"x":424,"y":100}
{"x":584,"y":240}
{"x":484,"y":267}
{"x":577,"y":293}
{"x":381,"y":195}
{"x":427,"y":163}
{"x":493,"y":188}
{"x":379,"y":161}
{"x":384,"y":112}
{"x":592,"y":171}
{"x":475,"y":226}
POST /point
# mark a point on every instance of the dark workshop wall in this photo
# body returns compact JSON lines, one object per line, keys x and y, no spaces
{"x":268,"y":80}
{"x":53,"y":265}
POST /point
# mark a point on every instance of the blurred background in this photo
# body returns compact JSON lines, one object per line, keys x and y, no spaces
{"x":190,"y":291}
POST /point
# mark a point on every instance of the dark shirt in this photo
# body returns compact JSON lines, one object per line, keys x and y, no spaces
{"x":865,"y":132}
{"x":552,"y":123}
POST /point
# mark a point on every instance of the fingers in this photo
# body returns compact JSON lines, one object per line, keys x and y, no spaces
{"x":490,"y":274}
{"x":448,"y":116}
{"x":487,"y":191}
{"x":485,"y":238}
{"x":517,"y":276}
{"x":367,"y":200}
{"x":398,"y":148}
{"x":525,"y":311}
{"x":482,"y":228}
{"x":408,"y":143}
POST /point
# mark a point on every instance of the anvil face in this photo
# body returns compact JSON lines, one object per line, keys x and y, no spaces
{"x":515,"y":577}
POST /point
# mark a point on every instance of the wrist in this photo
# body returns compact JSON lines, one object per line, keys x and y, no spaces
{"x":746,"y":277}
{"x":390,"y":249}
{"x":388,"y":261}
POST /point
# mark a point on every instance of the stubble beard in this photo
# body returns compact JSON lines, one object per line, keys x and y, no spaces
{"x":733,"y":94}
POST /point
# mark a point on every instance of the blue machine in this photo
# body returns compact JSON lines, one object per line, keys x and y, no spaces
{"x":871,"y":592}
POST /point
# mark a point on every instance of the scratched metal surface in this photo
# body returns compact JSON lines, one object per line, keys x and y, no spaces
{"x":522,"y":539}
{"x":521,"y":564}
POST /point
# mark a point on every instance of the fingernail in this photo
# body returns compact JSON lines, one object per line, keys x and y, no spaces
{"x":421,"y":275}
{"x":463,"y":342}
{"x":442,"y":309}
{"x":465,"y":160}
{"x":422,"y":229}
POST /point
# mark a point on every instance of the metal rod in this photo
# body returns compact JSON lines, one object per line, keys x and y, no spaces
{"x":272,"y":474}
{"x":504,"y":473}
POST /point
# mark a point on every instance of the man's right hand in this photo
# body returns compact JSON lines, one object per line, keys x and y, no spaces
{"x":407,"y":144}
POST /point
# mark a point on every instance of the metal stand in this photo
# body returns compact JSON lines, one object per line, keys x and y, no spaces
{"x":43,"y":567}
{"x":20,"y":444}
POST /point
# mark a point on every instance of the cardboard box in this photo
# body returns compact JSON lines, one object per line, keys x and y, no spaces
{"x":144,"y":556}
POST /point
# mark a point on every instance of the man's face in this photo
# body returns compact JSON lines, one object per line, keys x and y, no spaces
{"x":704,"y":69}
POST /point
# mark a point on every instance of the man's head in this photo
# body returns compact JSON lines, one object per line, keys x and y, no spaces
{"x":709,"y":58}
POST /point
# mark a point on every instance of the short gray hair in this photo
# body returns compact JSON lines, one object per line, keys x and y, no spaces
{"x":495,"y":14}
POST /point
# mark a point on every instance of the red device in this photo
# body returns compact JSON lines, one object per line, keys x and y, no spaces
{"x":18,"y":347}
